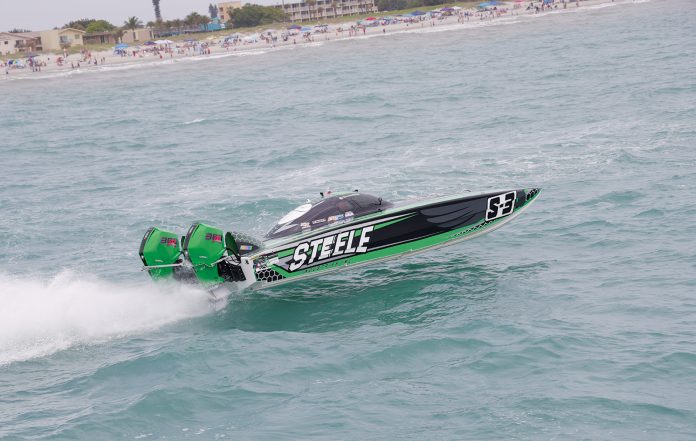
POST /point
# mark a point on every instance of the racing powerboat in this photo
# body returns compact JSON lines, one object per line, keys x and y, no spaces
{"x":338,"y":231}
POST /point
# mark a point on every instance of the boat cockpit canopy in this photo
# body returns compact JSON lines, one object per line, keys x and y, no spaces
{"x":330,"y":210}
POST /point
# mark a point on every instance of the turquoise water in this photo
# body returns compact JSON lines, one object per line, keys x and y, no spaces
{"x":576,"y":321}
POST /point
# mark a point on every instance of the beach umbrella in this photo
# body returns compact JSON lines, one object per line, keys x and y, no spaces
{"x":306,"y":29}
{"x":295,"y":26}
{"x":447,"y":9}
{"x":415,"y":13}
{"x":150,"y":43}
{"x":371,"y":18}
{"x":121,"y":46}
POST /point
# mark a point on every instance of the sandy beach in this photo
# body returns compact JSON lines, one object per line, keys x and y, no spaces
{"x":215,"y":46}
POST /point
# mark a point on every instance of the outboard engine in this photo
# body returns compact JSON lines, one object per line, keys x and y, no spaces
{"x":206,"y":254}
{"x":214,"y":255}
{"x":161,"y":254}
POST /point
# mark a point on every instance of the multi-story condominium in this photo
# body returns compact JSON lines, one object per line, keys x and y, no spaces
{"x":223,"y":9}
{"x":309,"y":10}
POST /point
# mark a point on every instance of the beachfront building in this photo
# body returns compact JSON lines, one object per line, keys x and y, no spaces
{"x":32,"y":41}
{"x":224,"y":7}
{"x":100,"y":38}
{"x":322,"y":9}
{"x":139,"y":35}
{"x":11,"y":44}
{"x":57,"y":39}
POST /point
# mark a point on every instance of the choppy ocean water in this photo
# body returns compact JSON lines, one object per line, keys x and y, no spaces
{"x":576,"y":321}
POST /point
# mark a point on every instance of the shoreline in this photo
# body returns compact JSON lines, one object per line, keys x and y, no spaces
{"x":107,"y":61}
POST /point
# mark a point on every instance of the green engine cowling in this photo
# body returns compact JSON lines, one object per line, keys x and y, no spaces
{"x":207,"y":255}
{"x":159,"y":249}
{"x":204,"y":246}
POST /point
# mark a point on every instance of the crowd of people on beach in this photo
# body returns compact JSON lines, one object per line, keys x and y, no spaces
{"x":293,"y":34}
{"x":164,"y":49}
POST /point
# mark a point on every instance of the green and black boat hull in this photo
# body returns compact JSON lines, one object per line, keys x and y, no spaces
{"x":222,"y":260}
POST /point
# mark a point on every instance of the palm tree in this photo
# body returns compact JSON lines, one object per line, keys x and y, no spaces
{"x":193,"y":19}
{"x":132,"y":23}
{"x":333,"y":7}
{"x":118,"y":34}
{"x":158,"y":13}
{"x":320,"y":12}
{"x":204,"y":20}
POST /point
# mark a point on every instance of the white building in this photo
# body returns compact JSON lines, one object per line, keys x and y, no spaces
{"x":10,"y":44}
{"x":323,"y":9}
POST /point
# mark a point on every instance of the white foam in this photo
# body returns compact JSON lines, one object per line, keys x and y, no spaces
{"x":601,"y":6}
{"x":194,"y":121}
{"x":41,"y":317}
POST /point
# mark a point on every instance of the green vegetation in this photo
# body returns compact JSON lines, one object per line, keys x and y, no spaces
{"x":80,"y":24}
{"x":99,"y":26}
{"x":393,"y":5}
{"x":94,"y":47}
{"x":90,"y":25}
{"x":132,"y":23}
{"x":255,"y":15}
{"x":193,"y":20}
{"x":196,"y":19}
